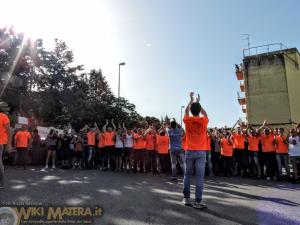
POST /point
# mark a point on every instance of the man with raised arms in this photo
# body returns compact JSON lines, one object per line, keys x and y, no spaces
{"x":196,"y":127}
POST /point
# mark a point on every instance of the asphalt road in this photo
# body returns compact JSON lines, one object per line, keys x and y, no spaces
{"x":144,"y":199}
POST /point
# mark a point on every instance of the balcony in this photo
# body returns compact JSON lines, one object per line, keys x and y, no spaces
{"x":242,"y":87}
{"x":241,"y":98}
{"x":239,"y":75}
{"x":242,"y":101}
{"x":244,"y":109}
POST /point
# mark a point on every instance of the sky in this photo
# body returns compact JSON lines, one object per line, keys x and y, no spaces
{"x":170,"y":47}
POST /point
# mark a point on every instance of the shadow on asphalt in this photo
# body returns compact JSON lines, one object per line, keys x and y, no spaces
{"x":143,"y":199}
{"x":255,"y":197}
{"x":237,"y":182}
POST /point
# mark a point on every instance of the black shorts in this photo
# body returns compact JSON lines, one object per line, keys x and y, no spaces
{"x":64,"y":154}
{"x":78,"y":154}
{"x":128,"y":152}
{"x":118,"y":152}
{"x":52,"y":148}
{"x":110,"y":150}
{"x":101,"y":151}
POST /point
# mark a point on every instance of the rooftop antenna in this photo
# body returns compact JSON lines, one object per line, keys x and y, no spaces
{"x":247,"y":38}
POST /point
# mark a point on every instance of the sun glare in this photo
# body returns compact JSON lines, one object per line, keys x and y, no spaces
{"x":21,"y":15}
{"x":90,"y":30}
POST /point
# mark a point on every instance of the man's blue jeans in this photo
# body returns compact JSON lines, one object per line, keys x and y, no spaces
{"x":281,"y":157}
{"x":197,"y":159}
{"x":177,"y":154}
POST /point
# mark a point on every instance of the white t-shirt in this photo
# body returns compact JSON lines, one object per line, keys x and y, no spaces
{"x":129,"y":141}
{"x":294,"y":150}
{"x":119,"y":142}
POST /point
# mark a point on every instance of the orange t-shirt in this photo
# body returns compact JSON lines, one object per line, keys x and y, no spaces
{"x":109,"y":138}
{"x":196,"y":128}
{"x":101,"y":141}
{"x":162,"y":144}
{"x":238,"y":141}
{"x":268,"y":142}
{"x":139,"y":142}
{"x":150,"y":142}
{"x":281,"y":147}
{"x":208,"y":141}
{"x":91,"y":138}
{"x":226,"y":149}
{"x":4,"y":120}
{"x":22,"y":139}
{"x":253,"y":142}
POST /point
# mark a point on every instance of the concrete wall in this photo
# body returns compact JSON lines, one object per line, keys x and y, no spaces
{"x":266,"y":89}
{"x":293,"y":82}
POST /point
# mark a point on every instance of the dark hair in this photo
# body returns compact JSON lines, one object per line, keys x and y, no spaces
{"x":35,"y":131}
{"x":162,"y":133}
{"x":281,"y":129}
{"x":267,"y":130}
{"x":173,"y":124}
{"x":195,"y":108}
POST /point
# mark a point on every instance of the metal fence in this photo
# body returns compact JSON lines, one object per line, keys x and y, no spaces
{"x":264,"y":49}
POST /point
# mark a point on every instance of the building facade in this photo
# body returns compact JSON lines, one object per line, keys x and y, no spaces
{"x":271,"y":84}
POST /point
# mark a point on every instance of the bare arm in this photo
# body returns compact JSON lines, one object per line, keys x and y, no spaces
{"x":124,"y":127}
{"x":114,"y":125}
{"x":234,"y":127}
{"x":229,"y":139}
{"x":187,"y":109}
{"x":105,"y":126}
{"x":147,"y":131}
{"x":72,"y":140}
{"x":262,"y":126}
{"x":84,"y":128}
{"x":160,"y":129}
{"x":203,"y":112}
{"x":96,"y":126}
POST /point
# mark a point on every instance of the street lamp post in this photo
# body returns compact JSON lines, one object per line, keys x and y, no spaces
{"x":120,"y":64}
{"x":181,"y":108}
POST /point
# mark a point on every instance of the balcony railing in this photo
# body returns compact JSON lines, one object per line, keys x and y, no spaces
{"x":263,"y":49}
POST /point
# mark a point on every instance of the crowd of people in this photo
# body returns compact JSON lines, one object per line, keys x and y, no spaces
{"x":240,"y":151}
{"x":261,"y":153}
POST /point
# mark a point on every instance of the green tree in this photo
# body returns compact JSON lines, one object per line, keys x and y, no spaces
{"x":51,"y":86}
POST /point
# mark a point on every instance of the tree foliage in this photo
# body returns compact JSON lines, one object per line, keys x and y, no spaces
{"x":51,"y":87}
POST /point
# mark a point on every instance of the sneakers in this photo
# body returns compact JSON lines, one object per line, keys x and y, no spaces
{"x":53,"y":167}
{"x":187,"y":202}
{"x":196,"y":205}
{"x":199,"y":205}
{"x":46,"y":167}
